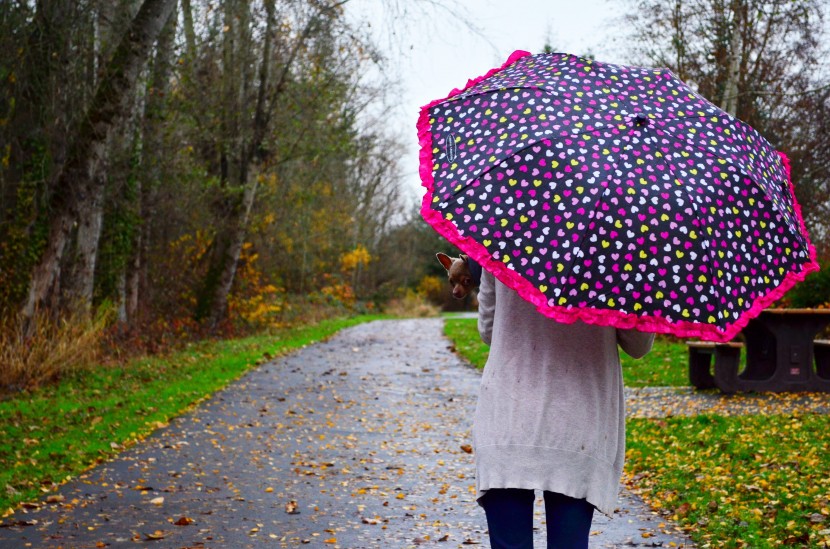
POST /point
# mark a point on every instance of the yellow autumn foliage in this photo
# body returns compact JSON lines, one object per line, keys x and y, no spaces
{"x":433,"y":288}
{"x":353,"y":259}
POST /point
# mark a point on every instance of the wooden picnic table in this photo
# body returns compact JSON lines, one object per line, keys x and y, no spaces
{"x":781,"y":355}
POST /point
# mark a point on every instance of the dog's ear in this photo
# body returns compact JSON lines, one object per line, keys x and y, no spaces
{"x":445,"y":260}
{"x":463,"y":257}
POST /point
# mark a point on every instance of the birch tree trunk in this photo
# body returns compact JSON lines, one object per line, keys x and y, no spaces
{"x":729,"y":102}
{"x":76,"y":183}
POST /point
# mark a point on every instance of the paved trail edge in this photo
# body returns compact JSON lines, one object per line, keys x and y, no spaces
{"x":357,"y":442}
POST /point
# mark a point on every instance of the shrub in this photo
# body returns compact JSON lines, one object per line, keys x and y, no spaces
{"x":56,"y":348}
{"x":814,"y":291}
{"x":411,"y":304}
{"x":434,"y":289}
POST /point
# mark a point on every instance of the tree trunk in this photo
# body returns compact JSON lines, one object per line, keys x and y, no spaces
{"x":242,"y":145}
{"x":76,"y":184}
{"x":227,"y":255}
{"x":189,"y":33}
{"x":80,"y":279}
{"x":729,"y":102}
{"x":151,"y":154}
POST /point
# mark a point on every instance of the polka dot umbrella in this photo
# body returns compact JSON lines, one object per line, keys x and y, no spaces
{"x":613,"y":195}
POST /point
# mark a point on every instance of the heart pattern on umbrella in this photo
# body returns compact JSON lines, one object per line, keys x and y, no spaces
{"x":616,"y":195}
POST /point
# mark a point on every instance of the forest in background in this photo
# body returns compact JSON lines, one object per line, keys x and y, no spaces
{"x":194,"y":164}
{"x":173,"y":169}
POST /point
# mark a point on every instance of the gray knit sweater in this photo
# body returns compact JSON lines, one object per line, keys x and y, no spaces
{"x":551,"y":410}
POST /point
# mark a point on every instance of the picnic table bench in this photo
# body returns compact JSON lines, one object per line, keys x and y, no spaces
{"x":781,"y":355}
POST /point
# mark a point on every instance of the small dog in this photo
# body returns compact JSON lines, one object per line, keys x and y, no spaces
{"x":464,"y":273}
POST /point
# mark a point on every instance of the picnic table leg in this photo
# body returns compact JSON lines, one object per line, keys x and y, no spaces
{"x":821,"y":353}
{"x":700,"y":368}
{"x":795,"y":355}
{"x":761,"y":352}
{"x":727,"y":362}
{"x":792,"y":348}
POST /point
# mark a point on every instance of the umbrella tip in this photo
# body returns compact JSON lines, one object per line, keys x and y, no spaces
{"x":641,"y":119}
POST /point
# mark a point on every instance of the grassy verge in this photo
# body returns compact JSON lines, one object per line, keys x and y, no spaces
{"x":463,"y":332}
{"x":751,"y":481}
{"x":665,"y":365}
{"x":56,"y":432}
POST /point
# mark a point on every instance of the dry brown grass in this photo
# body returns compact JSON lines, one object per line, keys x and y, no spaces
{"x":52,"y":350}
{"x":411,"y":304}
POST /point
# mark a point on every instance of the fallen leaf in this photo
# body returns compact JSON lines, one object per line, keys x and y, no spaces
{"x":184,"y":521}
{"x":158,"y":534}
{"x":467,"y":448}
{"x":157,"y":501}
{"x":55,"y":498}
{"x":683,"y":510}
{"x":291,"y":508}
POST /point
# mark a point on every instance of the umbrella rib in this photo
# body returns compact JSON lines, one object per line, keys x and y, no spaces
{"x":585,"y":233}
{"x":703,"y":225}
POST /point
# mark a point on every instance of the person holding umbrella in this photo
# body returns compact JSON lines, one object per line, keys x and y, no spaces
{"x":550,"y":416}
{"x":604,"y":203}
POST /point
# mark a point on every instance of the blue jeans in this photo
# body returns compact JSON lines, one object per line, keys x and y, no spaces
{"x":510,"y":519}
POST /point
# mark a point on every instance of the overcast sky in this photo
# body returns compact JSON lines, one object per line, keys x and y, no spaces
{"x":434,"y":51}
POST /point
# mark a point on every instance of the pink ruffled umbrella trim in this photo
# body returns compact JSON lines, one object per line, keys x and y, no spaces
{"x":527,"y":291}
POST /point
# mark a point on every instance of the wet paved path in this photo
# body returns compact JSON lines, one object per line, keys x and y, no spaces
{"x":356,"y":442}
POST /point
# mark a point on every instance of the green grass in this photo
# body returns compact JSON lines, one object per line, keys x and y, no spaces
{"x":463,"y":332}
{"x":54,"y":433}
{"x":750,"y":481}
{"x":665,"y":365}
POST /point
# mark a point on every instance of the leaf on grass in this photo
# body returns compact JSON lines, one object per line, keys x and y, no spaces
{"x":683,"y":510}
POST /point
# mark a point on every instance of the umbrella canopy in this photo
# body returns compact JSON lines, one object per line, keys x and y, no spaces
{"x":613,"y":195}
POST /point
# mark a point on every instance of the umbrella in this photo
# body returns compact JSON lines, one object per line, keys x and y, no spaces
{"x":614,"y":195}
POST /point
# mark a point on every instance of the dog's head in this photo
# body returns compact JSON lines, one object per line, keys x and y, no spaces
{"x":458,"y":272}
